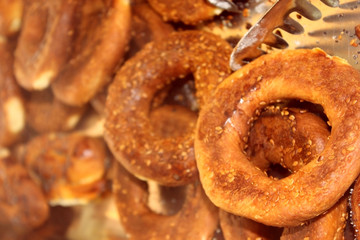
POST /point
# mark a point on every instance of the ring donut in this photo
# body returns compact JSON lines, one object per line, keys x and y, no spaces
{"x":234,"y":184}
{"x":188,"y":12}
{"x":102,"y":33}
{"x":22,"y":203}
{"x":69,"y":167}
{"x":12,"y":109}
{"x":128,"y":130}
{"x":197,"y":218}
{"x":289,"y":137}
{"x":44,"y":42}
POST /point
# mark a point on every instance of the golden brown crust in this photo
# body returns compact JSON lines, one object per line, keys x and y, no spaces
{"x":12,"y":110}
{"x":240,"y":188}
{"x":99,"y":46}
{"x":328,"y":226}
{"x":197,"y":219}
{"x":22,"y":203}
{"x":44,"y":42}
{"x":188,"y":12}
{"x":45,"y":113}
{"x":128,"y":131}
{"x":70,"y":167}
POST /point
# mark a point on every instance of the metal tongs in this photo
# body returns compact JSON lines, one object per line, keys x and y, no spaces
{"x":329,"y":25}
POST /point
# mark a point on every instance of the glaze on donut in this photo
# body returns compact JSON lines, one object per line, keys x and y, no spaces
{"x":44,"y":42}
{"x":128,"y":131}
{"x":102,"y":33}
{"x":197,"y":219}
{"x":234,"y":184}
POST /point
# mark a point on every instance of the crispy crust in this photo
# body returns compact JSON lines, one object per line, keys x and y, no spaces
{"x":128,"y":131}
{"x":228,"y":178}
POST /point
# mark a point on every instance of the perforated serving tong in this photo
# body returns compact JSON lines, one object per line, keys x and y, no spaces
{"x":329,"y":25}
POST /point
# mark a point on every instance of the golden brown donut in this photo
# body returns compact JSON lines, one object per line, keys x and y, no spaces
{"x":188,"y":12}
{"x":197,"y":219}
{"x":290,"y":137}
{"x":69,"y":167}
{"x":48,"y":114}
{"x":44,"y":42}
{"x":10,"y":17}
{"x":128,"y":130}
{"x":101,"y":35}
{"x":12,"y":110}
{"x":22,"y":203}
{"x":234,"y":184}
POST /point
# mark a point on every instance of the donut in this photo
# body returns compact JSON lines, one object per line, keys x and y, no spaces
{"x":44,"y":43}
{"x":12,"y":109}
{"x":188,"y":12}
{"x":22,"y":202}
{"x":128,"y":131}
{"x":289,"y":137}
{"x":45,"y":113}
{"x":233,"y":183}
{"x":102,"y":32}
{"x":10,"y":17}
{"x":70,"y":167}
{"x":197,"y":218}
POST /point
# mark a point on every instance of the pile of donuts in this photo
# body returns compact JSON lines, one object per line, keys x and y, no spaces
{"x":187,"y":148}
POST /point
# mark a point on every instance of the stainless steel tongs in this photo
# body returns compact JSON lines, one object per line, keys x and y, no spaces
{"x":329,"y":25}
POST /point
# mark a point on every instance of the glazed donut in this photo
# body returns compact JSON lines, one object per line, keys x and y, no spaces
{"x":236,"y":185}
{"x":197,"y":218}
{"x":22,"y":203}
{"x":48,"y":114}
{"x":188,"y":12}
{"x":70,"y":167}
{"x":10,"y":17}
{"x":44,"y":42}
{"x":102,"y":33}
{"x":288,"y":137}
{"x":128,"y":131}
{"x":12,"y":110}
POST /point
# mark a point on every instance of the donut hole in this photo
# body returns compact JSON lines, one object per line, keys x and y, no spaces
{"x":287,"y":135}
{"x":277,"y":171}
{"x":175,"y":109}
{"x":165,"y":200}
